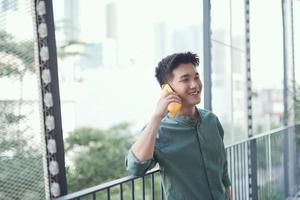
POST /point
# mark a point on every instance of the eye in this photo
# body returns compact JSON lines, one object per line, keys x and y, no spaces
{"x":184,"y":80}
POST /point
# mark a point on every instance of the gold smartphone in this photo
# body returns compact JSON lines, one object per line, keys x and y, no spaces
{"x":174,"y":107}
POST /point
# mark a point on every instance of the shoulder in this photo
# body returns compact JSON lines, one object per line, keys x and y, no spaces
{"x":206,"y":114}
{"x":209,"y":119}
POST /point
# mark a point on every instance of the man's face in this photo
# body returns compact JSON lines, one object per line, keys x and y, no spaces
{"x":187,"y":84}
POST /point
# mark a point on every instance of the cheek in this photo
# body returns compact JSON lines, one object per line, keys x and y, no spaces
{"x":200,"y":85}
{"x":181,"y":92}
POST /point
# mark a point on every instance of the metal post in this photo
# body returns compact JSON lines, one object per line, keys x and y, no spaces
{"x":285,"y":100}
{"x":50,"y":97}
{"x":207,"y":54}
{"x":251,"y":149}
{"x":253,"y":171}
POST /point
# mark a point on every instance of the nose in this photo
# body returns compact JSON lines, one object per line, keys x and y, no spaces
{"x":194,"y":84}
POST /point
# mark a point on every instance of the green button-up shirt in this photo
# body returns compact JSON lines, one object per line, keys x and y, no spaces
{"x":191,"y":156}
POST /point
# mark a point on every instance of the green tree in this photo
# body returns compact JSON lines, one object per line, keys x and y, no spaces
{"x":296,"y":107}
{"x":15,"y":51}
{"x":21,"y":166}
{"x":21,"y":169}
{"x":97,"y":155}
{"x":270,"y":191}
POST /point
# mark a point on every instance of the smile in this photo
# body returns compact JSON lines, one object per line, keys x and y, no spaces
{"x":194,"y":93}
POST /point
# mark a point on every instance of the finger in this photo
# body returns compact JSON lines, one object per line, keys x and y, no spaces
{"x":173,"y":98}
{"x":165,"y":93}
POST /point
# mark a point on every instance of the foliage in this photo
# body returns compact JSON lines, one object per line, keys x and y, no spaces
{"x":270,"y":191}
{"x":98,"y":155}
{"x":21,"y":166}
{"x":296,"y":107}
{"x":297,"y":104}
{"x":276,"y":145}
{"x":22,"y":51}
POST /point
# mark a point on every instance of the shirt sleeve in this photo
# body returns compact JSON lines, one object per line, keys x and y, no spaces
{"x":226,"y":180}
{"x":137,"y":167}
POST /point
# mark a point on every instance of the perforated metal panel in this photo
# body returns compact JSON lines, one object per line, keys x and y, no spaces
{"x":22,"y":143}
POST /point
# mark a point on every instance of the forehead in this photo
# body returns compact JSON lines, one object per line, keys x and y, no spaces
{"x":184,"y":70}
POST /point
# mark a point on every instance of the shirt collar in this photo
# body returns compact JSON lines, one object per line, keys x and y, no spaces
{"x":188,"y":120}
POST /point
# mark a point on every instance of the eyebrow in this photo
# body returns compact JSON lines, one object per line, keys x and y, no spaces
{"x":187,"y":75}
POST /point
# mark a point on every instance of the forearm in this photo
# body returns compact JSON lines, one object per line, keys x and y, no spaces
{"x":143,"y":148}
{"x":228,"y":192}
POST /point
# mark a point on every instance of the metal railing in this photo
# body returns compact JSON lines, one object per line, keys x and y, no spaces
{"x":266,"y":166}
{"x":135,"y":187}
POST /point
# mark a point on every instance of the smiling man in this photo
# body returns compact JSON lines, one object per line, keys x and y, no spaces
{"x":189,"y":147}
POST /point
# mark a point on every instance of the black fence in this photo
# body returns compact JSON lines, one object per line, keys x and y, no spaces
{"x":266,"y":166}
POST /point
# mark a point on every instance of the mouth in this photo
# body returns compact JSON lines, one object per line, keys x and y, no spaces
{"x":194,"y":93}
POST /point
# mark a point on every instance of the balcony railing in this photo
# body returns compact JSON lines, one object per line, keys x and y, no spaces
{"x":266,"y":166}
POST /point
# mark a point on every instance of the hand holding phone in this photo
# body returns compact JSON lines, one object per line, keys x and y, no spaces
{"x":174,"y":107}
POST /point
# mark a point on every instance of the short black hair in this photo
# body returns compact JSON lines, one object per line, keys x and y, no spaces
{"x":163,"y":72}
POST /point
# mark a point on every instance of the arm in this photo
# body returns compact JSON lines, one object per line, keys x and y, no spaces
{"x":229,"y":192}
{"x":226,"y":179}
{"x":143,"y":148}
{"x":140,"y":157}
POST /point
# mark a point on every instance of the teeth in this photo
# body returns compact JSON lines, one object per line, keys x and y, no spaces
{"x":194,"y":93}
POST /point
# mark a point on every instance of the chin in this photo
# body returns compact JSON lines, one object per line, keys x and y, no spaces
{"x":197,"y":101}
{"x":194,"y":103}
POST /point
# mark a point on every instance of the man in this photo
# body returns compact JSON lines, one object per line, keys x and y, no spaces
{"x":189,"y":148}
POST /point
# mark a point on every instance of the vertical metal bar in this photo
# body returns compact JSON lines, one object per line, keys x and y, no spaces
{"x":242,"y":170}
{"x":249,"y":100}
{"x":235,"y":172}
{"x":232,"y":171}
{"x":152,"y":186}
{"x":121,"y":191}
{"x":253,"y":169}
{"x":245,"y":171}
{"x":285,"y":98}
{"x":207,"y":54}
{"x":248,"y":69}
{"x":162,"y":191}
{"x":94,"y":196}
{"x":108,"y":193}
{"x":132,"y":190}
{"x":143,"y":187}
{"x":51,"y":63}
{"x":265,"y":175}
{"x":285,"y":165}
{"x":238,"y":171}
{"x":293,"y":51}
{"x":259,"y":172}
{"x":285,"y":65}
{"x":270,"y":159}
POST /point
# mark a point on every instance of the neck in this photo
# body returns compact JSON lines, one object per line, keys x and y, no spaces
{"x":188,"y":111}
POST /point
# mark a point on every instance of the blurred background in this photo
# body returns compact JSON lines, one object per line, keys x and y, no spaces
{"x":107,"y":51}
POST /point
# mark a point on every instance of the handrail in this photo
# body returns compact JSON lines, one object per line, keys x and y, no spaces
{"x":230,"y":148}
{"x":262,"y":135}
{"x":104,"y":186}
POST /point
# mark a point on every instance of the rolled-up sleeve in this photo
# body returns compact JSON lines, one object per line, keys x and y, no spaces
{"x":226,"y":179}
{"x":137,"y":167}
